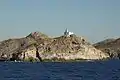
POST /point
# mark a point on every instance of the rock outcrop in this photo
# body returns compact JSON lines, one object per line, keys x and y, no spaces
{"x":111,"y":47}
{"x":72,"y":47}
{"x":37,"y":46}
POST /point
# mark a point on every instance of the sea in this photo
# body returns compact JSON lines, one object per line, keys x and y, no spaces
{"x":91,"y":70}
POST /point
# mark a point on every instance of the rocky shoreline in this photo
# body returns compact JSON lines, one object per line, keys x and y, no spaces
{"x":39,"y":47}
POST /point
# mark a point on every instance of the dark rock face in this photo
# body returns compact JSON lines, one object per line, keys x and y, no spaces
{"x":112,"y":47}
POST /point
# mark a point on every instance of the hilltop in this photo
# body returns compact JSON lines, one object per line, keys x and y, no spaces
{"x":38,"y":46}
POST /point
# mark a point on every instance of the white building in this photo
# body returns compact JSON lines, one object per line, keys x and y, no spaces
{"x":67,"y":33}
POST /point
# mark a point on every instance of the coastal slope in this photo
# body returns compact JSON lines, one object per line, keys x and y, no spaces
{"x":110,"y":46}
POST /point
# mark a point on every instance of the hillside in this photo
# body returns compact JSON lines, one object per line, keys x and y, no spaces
{"x":111,"y":47}
{"x":38,"y":46}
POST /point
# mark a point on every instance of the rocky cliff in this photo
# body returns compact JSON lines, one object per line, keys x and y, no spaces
{"x":110,"y":46}
{"x":37,"y":46}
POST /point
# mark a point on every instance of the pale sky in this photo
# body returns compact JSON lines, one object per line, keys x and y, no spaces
{"x":94,"y":19}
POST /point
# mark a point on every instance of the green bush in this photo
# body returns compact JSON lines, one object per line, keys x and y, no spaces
{"x":30,"y":59}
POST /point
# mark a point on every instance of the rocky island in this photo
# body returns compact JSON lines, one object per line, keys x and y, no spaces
{"x":40,"y":47}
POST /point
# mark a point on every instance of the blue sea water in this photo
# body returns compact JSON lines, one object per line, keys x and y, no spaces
{"x":100,"y":70}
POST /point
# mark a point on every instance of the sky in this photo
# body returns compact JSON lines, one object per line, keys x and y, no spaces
{"x":96,"y":20}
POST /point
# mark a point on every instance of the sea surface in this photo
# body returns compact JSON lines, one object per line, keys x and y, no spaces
{"x":100,"y":70}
